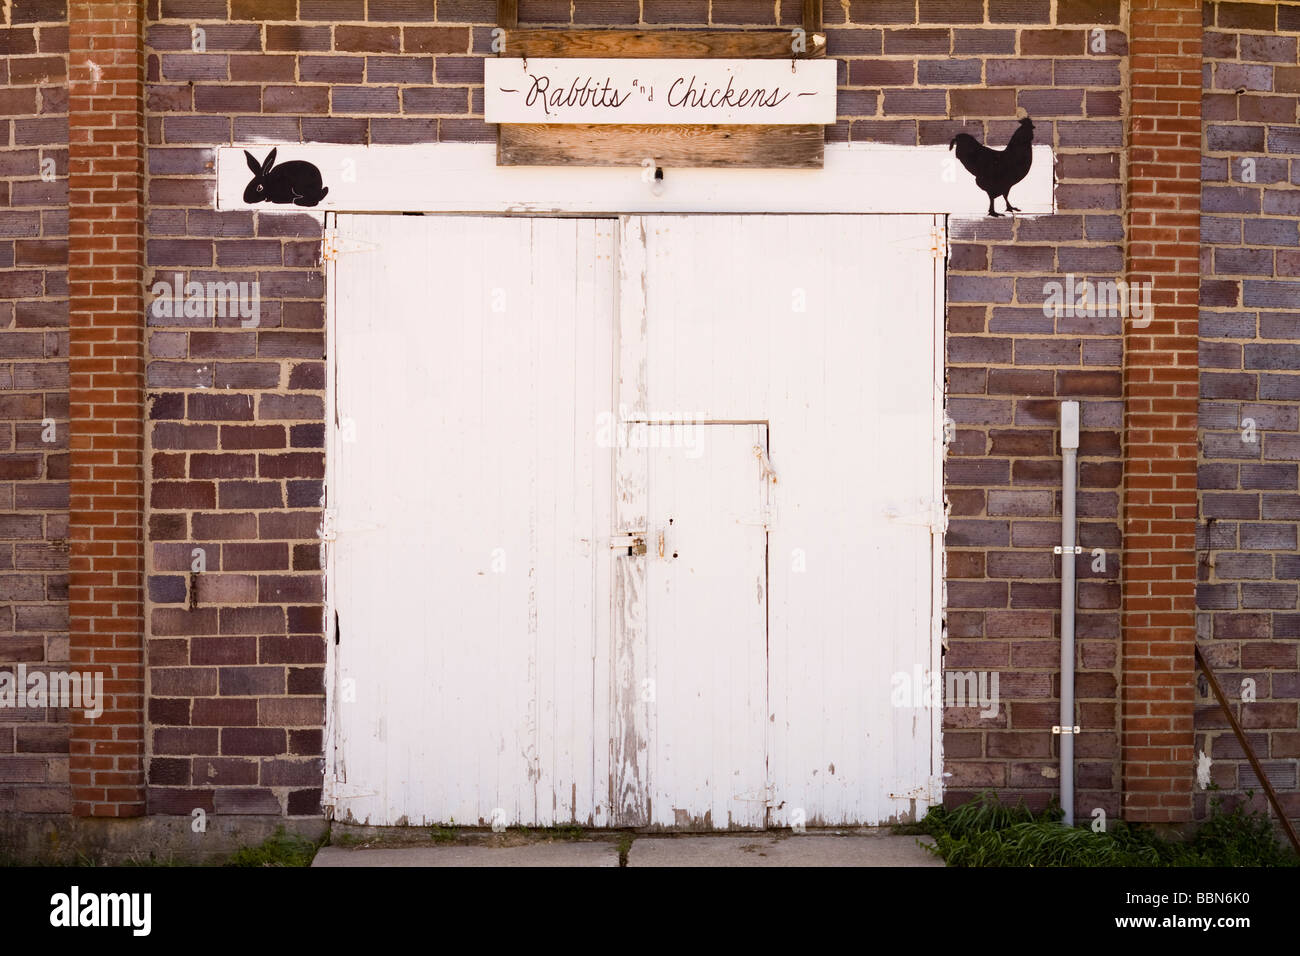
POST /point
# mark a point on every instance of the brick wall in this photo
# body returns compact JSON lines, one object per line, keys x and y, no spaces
{"x":235,"y":413}
{"x":236,"y":451}
{"x":106,"y":401}
{"x":1009,"y":367}
{"x":1160,"y":380}
{"x":33,"y":392}
{"x":1248,"y":620}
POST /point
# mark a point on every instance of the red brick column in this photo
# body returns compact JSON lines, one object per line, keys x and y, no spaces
{"x":106,"y":402}
{"x":1160,"y":405}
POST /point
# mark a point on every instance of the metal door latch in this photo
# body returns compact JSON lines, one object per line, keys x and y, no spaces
{"x":635,"y":543}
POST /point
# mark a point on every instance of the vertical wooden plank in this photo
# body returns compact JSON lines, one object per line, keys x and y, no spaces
{"x":564,"y":261}
{"x":551,"y":294}
{"x":572,"y":735}
{"x":812,"y":17}
{"x":938,"y":571}
{"x":588,"y":368}
{"x":508,"y":14}
{"x":461,"y":402}
{"x":629,"y":781}
{"x":602,"y":378}
{"x":495,"y":521}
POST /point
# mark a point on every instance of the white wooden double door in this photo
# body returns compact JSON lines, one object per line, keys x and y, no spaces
{"x":633,"y":520}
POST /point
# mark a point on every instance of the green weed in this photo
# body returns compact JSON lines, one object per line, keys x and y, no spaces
{"x":279,"y":849}
{"x":984,"y":832}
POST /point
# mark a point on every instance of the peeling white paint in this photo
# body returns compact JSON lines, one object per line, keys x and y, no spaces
{"x":714,"y":689}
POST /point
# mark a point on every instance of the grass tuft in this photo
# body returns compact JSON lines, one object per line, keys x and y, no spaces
{"x":985,"y":832}
{"x":279,"y":849}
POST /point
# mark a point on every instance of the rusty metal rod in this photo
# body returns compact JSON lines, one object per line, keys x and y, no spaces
{"x":1245,"y":745}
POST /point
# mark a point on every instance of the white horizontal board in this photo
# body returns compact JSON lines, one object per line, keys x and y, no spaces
{"x":464,"y":178}
{"x":642,"y":92}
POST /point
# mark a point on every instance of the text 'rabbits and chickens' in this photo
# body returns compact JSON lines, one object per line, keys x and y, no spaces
{"x":668,"y":91}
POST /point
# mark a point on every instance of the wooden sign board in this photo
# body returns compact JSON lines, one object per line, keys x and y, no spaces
{"x":680,"y":143}
{"x":669,"y":91}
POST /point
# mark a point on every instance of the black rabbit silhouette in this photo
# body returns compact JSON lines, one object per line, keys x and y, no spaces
{"x":296,"y":182}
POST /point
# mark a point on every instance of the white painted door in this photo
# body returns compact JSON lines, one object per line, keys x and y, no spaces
{"x":824,"y":328}
{"x":502,"y":655}
{"x":700,"y":706}
{"x":472,"y":356}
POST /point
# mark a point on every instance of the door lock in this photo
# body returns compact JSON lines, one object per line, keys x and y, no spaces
{"x":635,"y":543}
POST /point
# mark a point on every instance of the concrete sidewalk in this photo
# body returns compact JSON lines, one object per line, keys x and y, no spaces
{"x":757,"y":849}
{"x":763,"y":849}
{"x":569,"y":853}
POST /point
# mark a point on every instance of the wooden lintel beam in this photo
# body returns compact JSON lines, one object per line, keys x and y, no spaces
{"x":661,"y":44}
{"x":674,"y":147}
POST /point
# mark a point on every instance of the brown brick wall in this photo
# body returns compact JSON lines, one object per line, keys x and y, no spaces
{"x":235,"y":413}
{"x":238,"y":472}
{"x":1009,"y":367}
{"x":105,"y":400}
{"x":1160,"y":379}
{"x":1249,"y":569}
{"x":34,"y":392}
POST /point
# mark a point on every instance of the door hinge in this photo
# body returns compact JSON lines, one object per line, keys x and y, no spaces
{"x":329,"y":525}
{"x":939,"y":242}
{"x":334,"y":245}
{"x":931,"y":514}
{"x":335,"y":790}
{"x":765,"y":796}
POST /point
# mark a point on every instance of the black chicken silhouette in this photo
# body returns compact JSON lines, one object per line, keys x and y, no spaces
{"x":996,"y":171}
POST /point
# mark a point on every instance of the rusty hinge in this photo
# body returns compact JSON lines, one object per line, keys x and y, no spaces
{"x":333,"y":245}
{"x":939,"y":243}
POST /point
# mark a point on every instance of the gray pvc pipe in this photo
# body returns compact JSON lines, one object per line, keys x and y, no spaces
{"x":1067,"y":633}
